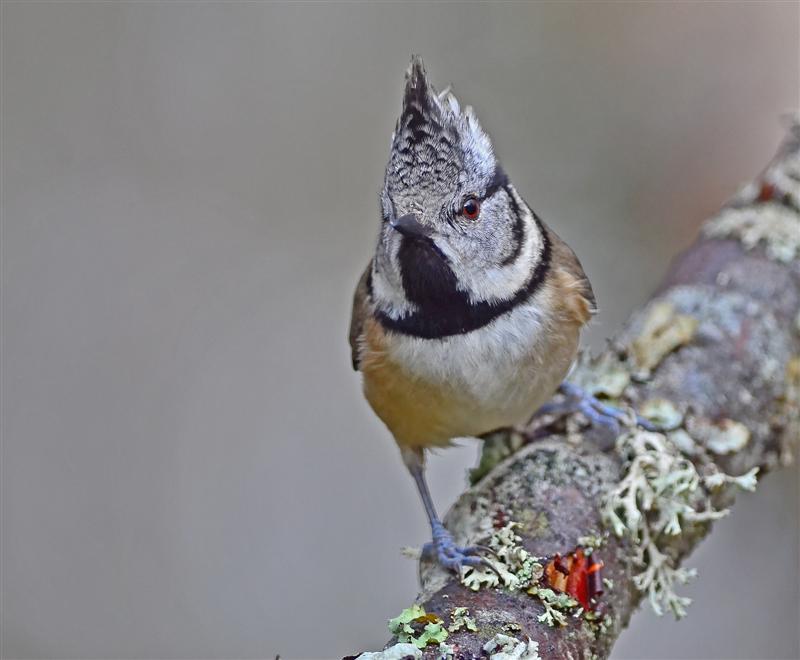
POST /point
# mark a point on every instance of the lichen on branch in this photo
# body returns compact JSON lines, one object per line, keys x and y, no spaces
{"x":713,"y":362}
{"x":661,"y":495}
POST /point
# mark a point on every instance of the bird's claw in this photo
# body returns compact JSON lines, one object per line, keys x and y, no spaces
{"x":598,"y":413}
{"x":482,"y":548}
{"x":452,"y":557}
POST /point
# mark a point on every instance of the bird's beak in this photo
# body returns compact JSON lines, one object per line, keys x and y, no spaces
{"x":409,"y":225}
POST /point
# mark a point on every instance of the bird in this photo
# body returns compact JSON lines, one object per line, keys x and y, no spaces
{"x":468,"y":317}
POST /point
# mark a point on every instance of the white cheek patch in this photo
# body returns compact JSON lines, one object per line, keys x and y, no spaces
{"x":500,"y":283}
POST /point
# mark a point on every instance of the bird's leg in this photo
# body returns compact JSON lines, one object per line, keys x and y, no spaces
{"x":577,"y":399}
{"x":443,"y":547}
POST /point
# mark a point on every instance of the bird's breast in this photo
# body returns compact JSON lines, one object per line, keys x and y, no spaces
{"x":428,"y":391}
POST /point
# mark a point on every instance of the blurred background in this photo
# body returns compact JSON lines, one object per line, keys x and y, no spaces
{"x":189,"y":195}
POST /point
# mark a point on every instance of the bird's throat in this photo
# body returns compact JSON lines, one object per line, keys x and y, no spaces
{"x":442,"y":309}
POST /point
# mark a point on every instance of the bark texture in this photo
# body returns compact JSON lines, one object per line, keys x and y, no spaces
{"x":732,"y":372}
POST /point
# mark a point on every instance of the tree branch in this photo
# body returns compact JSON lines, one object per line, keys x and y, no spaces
{"x":713,"y":361}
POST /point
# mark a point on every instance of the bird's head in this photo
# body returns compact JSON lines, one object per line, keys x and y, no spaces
{"x":457,"y":243}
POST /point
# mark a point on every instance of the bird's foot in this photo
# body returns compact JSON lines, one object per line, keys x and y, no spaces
{"x":451,"y":556}
{"x":577,"y":399}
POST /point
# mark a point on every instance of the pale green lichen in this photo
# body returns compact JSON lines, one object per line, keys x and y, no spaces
{"x":461,"y":619}
{"x":514,"y":567}
{"x":399,"y":651}
{"x":592,"y":541}
{"x":517,"y":569}
{"x":717,"y":479}
{"x":784,"y":172}
{"x":446,"y":651}
{"x":415,"y":626}
{"x":660,"y":495}
{"x":554,"y":605}
{"x":724,"y":436}
{"x":606,"y":376}
{"x":662,"y":413}
{"x":683,"y":441}
{"x":772,"y":225}
{"x":663,"y":331}
{"x":534,"y":523}
{"x":411,"y":552}
{"x":505,"y":647}
{"x":599,"y":624}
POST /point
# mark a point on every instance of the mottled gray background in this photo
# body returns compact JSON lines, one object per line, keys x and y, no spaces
{"x":190,"y":192}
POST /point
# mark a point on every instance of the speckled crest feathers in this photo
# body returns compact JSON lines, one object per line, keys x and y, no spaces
{"x":434,"y":141}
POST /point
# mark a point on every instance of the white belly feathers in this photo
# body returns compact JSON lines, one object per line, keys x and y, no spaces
{"x":507,"y":368}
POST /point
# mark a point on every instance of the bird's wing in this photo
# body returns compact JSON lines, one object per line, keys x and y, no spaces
{"x":573,"y":276}
{"x":359,"y":314}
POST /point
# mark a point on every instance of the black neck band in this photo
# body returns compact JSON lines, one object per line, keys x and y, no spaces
{"x":443,"y":310}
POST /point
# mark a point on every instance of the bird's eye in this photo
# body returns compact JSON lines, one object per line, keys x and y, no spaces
{"x":471,"y":208}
